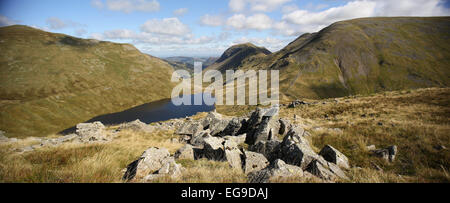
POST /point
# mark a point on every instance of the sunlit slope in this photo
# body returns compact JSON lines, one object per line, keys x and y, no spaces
{"x":50,"y":82}
{"x":363,"y":56}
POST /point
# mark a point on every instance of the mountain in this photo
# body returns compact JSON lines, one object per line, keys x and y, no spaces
{"x":187,"y":63}
{"x":359,"y":56}
{"x":238,"y":55}
{"x":50,"y":82}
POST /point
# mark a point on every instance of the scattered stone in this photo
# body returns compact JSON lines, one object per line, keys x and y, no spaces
{"x":186,"y":152}
{"x":253,"y":161}
{"x":388,"y":153}
{"x":215,"y":123}
{"x":262,"y":125}
{"x":371,"y":147}
{"x":332,"y":155}
{"x":440,"y":147}
{"x":297,"y":103}
{"x":170,"y":169}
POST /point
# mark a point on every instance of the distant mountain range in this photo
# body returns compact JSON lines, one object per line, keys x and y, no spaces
{"x":187,"y":63}
{"x":360,"y":56}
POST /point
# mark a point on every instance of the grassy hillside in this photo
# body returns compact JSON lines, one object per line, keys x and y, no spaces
{"x":49,"y":82}
{"x":362,"y":56}
{"x":416,"y":121}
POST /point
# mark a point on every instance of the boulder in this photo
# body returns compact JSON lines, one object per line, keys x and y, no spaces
{"x":137,"y":125}
{"x":215,"y":123}
{"x":233,"y":154}
{"x":326,"y":170}
{"x":240,"y":139}
{"x":232,"y":128}
{"x":332,"y":155}
{"x":190,"y":128}
{"x":262,"y":125}
{"x":149,"y":162}
{"x":89,"y":132}
{"x":214,"y":149}
{"x":253,"y":161}
{"x":278,"y":170}
{"x":186,"y":152}
{"x":268,"y":149}
{"x":169,"y":169}
{"x":285,"y":126}
{"x":296,"y":150}
{"x":198,"y":139}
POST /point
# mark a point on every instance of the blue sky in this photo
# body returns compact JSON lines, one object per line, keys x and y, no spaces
{"x":201,"y":27}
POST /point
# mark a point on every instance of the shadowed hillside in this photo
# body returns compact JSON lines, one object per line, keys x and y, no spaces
{"x":49,"y":82}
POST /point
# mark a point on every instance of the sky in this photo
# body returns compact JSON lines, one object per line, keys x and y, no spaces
{"x":201,"y":28}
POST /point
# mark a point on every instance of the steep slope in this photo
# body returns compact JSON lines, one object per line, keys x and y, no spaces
{"x":364,"y":56}
{"x":238,"y":55}
{"x":49,"y":82}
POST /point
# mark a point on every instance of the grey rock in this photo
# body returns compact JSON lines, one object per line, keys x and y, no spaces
{"x":253,"y":161}
{"x":89,"y":132}
{"x":388,"y":153}
{"x":199,"y":138}
{"x":285,"y":126}
{"x":214,"y":149}
{"x":169,"y":169}
{"x":296,"y":150}
{"x":327,"y":171}
{"x":215,"y":123}
{"x":233,"y":154}
{"x":268,"y":149}
{"x":190,"y":129}
{"x":371,"y":147}
{"x":240,"y":139}
{"x":186,"y":152}
{"x":278,"y":170}
{"x":262,"y":125}
{"x":332,"y":155}
{"x":150,"y":161}
{"x":232,"y":128}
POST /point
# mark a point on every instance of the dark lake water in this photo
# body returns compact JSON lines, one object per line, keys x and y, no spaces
{"x":148,"y":113}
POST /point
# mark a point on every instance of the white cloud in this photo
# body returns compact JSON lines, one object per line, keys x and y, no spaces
{"x":211,"y":20}
{"x":273,"y":44}
{"x":299,"y":21}
{"x":166,"y":26}
{"x":97,"y":3}
{"x":4,"y":21}
{"x":55,"y":23}
{"x":256,"y":5}
{"x":180,"y":12}
{"x":255,"y":22}
{"x":127,"y":6}
{"x":80,"y":32}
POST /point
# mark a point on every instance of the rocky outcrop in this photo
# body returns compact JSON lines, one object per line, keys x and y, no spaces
{"x":268,"y":149}
{"x":262,"y":125}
